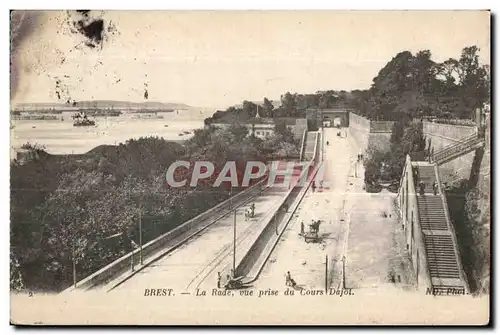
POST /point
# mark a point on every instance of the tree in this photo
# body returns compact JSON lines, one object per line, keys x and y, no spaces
{"x":289,"y":103}
{"x":267,"y":109}
{"x":249,"y":109}
{"x":406,"y":139}
{"x":450,"y":70}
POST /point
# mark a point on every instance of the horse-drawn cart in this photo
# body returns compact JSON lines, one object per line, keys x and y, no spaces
{"x":313,"y":234}
{"x":311,"y":237}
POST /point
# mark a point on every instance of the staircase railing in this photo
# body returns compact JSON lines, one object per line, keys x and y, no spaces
{"x":463,"y":145}
{"x":457,"y":143}
{"x":452,"y":231}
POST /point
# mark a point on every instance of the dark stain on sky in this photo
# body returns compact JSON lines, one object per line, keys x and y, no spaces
{"x":93,"y":30}
{"x":22,"y":25}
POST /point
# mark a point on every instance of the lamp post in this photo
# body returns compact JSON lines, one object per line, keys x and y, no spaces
{"x":131,"y":253}
{"x":234,"y":244}
{"x":74,"y":264}
{"x":140,"y":237}
{"x":322,"y":137}
{"x":326,"y":274}
{"x":343,"y":272}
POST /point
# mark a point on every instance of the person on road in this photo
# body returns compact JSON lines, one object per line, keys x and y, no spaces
{"x":289,"y":280}
{"x":435,"y":188}
{"x":302,"y":228}
{"x":313,"y":186}
{"x":422,"y":188}
{"x":219,"y":278}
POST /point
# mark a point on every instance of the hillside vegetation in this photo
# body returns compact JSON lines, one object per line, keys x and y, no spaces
{"x":86,"y":208}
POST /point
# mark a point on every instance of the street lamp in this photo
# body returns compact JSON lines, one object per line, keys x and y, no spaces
{"x":326,"y":273}
{"x":343,"y":272}
{"x":74,"y":264}
{"x":234,"y":245}
{"x":140,"y":236}
{"x":322,"y":137}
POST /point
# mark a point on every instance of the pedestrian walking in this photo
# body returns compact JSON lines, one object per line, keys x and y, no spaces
{"x":435,"y":188}
{"x":422,"y":188}
{"x":302,"y":228}
{"x":218,"y":279}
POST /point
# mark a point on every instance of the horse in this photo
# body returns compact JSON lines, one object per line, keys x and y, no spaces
{"x":314,"y":227}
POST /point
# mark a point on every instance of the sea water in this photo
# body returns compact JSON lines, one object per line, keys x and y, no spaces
{"x":61,"y":137}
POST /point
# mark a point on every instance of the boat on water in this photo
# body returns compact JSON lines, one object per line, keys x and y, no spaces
{"x":83,"y":123}
{"x":80,"y":119}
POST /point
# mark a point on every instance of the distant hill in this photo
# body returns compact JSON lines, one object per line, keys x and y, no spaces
{"x":105,"y":104}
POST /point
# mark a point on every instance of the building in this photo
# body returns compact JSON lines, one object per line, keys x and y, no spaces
{"x":265,"y":127}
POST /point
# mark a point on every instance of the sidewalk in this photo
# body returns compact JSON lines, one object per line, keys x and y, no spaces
{"x":373,"y":248}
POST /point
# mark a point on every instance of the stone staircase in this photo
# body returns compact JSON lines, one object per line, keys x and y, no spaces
{"x":427,"y":175}
{"x":432,"y":215}
{"x":443,"y":258}
{"x":463,"y":147}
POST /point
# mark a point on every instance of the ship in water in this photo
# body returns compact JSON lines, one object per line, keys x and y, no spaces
{"x":80,"y":119}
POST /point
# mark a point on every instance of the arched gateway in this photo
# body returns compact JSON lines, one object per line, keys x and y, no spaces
{"x":331,"y":117}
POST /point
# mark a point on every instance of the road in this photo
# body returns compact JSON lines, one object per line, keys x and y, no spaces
{"x":306,"y":261}
{"x":195,"y":264}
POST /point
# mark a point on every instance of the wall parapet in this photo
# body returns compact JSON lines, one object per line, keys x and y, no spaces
{"x":411,"y":201}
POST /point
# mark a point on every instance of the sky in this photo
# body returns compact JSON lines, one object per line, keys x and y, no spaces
{"x":217,"y":59}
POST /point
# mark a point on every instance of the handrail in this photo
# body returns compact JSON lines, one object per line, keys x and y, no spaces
{"x":453,"y":233}
{"x":456,"y":148}
{"x":460,"y":150}
{"x":461,"y":141}
{"x":464,"y":140}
